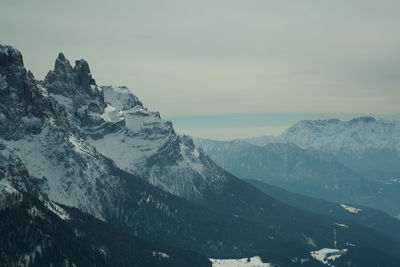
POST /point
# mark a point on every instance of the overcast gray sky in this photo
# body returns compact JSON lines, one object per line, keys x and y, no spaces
{"x":186,"y":58}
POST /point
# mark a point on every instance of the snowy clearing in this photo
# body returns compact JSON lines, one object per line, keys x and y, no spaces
{"x":327,"y":255}
{"x":350,"y":209}
{"x":245,"y":262}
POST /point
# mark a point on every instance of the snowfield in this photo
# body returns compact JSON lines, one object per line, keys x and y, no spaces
{"x":328,"y":255}
{"x":245,"y":262}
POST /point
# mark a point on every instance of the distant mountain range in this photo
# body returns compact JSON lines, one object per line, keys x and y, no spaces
{"x":90,"y":177}
{"x":369,"y":146}
{"x":353,"y":161}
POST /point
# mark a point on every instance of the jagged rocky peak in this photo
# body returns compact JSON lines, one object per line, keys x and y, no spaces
{"x":75,"y":82}
{"x":99,"y":109}
{"x":75,"y":88}
{"x":10,"y":56}
{"x":62,"y":65}
{"x":23,"y":104}
{"x":84,"y":77}
{"x":12,"y":71}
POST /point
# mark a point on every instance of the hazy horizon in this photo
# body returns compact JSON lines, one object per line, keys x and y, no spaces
{"x":226,"y":127}
{"x":92,"y":174}
{"x":209,"y":58}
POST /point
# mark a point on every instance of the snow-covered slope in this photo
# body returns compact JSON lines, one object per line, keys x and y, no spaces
{"x":16,"y":185}
{"x":116,"y":123}
{"x":38,"y":232}
{"x":14,"y":179}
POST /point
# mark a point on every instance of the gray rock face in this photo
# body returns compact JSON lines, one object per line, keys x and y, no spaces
{"x":67,"y":81}
{"x":11,"y":63}
{"x":24,"y":109}
{"x":13,"y":78}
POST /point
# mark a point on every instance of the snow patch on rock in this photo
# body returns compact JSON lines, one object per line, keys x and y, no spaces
{"x":350,"y":208}
{"x":57,"y":210}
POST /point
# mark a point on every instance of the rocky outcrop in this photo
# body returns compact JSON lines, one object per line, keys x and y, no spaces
{"x":76,"y":88}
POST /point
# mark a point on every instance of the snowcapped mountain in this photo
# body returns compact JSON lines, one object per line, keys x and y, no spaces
{"x":50,"y":139}
{"x":98,"y":149}
{"x":356,"y":136}
{"x":117,"y":124}
{"x":67,"y":124}
{"x":368,"y":146}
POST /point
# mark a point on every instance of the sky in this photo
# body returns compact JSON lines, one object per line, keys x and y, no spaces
{"x":223,"y":58}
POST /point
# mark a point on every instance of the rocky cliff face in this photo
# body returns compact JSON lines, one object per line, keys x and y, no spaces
{"x":24,"y":108}
{"x":50,"y":145}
